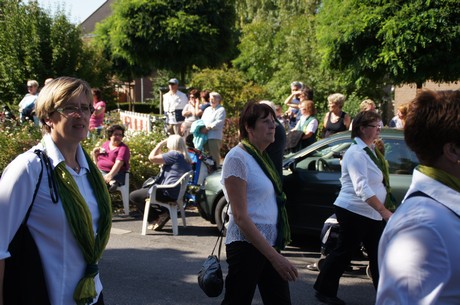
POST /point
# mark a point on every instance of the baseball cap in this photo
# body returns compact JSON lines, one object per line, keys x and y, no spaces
{"x":173,"y":81}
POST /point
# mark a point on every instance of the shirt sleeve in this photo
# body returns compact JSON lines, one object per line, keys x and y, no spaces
{"x":170,"y":157}
{"x":17,"y":186}
{"x":312,"y":126}
{"x":357,"y":167}
{"x":234,"y":166}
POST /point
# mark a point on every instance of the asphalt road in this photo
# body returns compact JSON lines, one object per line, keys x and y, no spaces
{"x":161,"y":269}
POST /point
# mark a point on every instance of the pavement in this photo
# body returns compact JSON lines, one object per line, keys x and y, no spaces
{"x":161,"y":269}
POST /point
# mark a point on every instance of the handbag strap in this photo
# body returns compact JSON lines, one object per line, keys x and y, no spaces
{"x":220,"y":237}
{"x":38,"y":153}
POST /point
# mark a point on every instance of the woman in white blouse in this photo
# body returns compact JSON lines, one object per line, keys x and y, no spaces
{"x":359,"y":207}
{"x":257,"y":228}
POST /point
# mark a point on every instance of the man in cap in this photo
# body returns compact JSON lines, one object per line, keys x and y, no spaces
{"x":293,"y":102}
{"x":173,"y":103}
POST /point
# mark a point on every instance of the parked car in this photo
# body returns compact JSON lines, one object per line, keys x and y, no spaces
{"x":312,"y":180}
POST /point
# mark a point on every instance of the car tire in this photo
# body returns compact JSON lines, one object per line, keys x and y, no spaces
{"x":220,"y":214}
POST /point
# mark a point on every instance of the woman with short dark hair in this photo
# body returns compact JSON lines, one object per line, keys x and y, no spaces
{"x":258,"y":228}
{"x":359,"y":206}
{"x":112,"y":158}
{"x":418,"y":252}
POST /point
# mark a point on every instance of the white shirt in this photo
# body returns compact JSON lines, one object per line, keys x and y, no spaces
{"x":28,"y":100}
{"x":62,"y":260}
{"x":214,"y":118}
{"x":311,"y":127}
{"x":418,"y":253}
{"x":172,"y":102}
{"x":260,"y":195}
{"x":361,"y":179}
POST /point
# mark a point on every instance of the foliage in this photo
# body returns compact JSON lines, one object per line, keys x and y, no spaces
{"x":231,"y":84}
{"x":171,"y":35}
{"x":34,"y":45}
{"x":16,"y":139}
{"x":230,"y":136}
{"x":278,"y":48}
{"x":395,"y":41}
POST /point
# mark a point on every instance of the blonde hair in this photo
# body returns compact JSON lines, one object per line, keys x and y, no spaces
{"x":365,"y":104}
{"x":32,"y":82}
{"x":177,"y":143}
{"x":337,"y":98}
{"x":56,"y":93}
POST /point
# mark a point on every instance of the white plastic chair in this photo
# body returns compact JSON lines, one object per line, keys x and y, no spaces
{"x":124,"y":190}
{"x":172,"y":206}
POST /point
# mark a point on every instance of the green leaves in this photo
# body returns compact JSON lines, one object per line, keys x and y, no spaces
{"x":173,"y":35}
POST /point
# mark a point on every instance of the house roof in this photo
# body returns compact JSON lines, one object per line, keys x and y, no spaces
{"x":89,"y":24}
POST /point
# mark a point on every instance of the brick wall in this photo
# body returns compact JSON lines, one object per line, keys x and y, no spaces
{"x":404,"y":94}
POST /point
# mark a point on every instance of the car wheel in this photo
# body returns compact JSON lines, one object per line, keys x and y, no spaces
{"x":220,"y":214}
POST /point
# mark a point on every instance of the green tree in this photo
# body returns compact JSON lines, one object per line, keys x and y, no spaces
{"x":35,"y":45}
{"x":393,"y":41}
{"x":231,"y":84}
{"x":172,"y":35}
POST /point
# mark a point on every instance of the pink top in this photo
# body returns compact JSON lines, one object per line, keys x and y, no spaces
{"x":97,"y":120}
{"x":106,"y":160}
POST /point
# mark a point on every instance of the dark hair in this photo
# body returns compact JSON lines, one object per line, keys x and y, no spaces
{"x":205,"y":95}
{"x":195,"y":93}
{"x":308,"y":92}
{"x":433,"y":120}
{"x":251,"y":112}
{"x":97,"y":93}
{"x":362,"y":119}
{"x":114,"y":128}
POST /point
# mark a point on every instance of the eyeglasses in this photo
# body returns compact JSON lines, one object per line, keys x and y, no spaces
{"x":374,"y":126}
{"x":73,"y":110}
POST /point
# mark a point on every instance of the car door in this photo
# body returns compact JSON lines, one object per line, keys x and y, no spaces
{"x":312,"y":185}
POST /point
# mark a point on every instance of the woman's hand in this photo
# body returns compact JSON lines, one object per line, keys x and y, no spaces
{"x":284,"y":268}
{"x":108,"y":178}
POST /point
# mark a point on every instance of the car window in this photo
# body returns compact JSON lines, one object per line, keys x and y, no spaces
{"x":401,"y":160}
{"x":325,"y":158}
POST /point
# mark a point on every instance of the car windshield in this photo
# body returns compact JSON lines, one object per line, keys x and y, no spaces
{"x":327,"y":157}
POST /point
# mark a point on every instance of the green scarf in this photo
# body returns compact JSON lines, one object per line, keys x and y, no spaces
{"x":440,"y":176}
{"x":382,"y":164}
{"x":283,"y":237}
{"x":80,"y":220}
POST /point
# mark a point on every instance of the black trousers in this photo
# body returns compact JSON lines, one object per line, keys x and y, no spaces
{"x":100,"y":300}
{"x":354,"y":229}
{"x":139,"y":196}
{"x":247,"y":269}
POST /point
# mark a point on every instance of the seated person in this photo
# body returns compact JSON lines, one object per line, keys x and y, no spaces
{"x":112,"y":158}
{"x":176,"y":162}
{"x":308,"y":123}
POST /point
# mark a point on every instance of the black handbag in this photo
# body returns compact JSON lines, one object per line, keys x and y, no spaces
{"x":24,"y":281}
{"x":153,"y":180}
{"x":210,"y":276}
